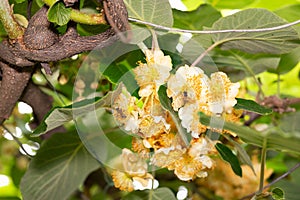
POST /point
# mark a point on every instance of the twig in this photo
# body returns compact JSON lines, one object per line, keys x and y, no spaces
{"x":213,"y":31}
{"x":275,"y":180}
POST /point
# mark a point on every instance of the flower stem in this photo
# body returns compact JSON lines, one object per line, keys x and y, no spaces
{"x":262,"y":167}
{"x":12,"y":28}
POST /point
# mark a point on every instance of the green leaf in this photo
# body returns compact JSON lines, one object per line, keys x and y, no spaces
{"x":61,"y":115}
{"x":162,"y":194}
{"x":59,"y":14}
{"x":274,"y":42}
{"x":155,"y":11}
{"x":239,"y":64}
{"x":58,"y":169}
{"x":252,"y":106}
{"x":228,"y":156}
{"x":242,"y":155}
{"x":278,"y":194}
{"x":205,"y":15}
{"x":275,"y":140}
{"x":167,"y":105}
{"x":229,"y":4}
{"x":287,"y":62}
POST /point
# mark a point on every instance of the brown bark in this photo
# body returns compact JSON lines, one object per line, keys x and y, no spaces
{"x":12,"y":85}
{"x":41,"y":44}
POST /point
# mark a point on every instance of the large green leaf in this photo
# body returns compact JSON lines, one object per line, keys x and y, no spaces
{"x":61,"y":115}
{"x":58,"y":169}
{"x":97,"y":131}
{"x":228,"y":156}
{"x":155,"y":11}
{"x":59,"y":14}
{"x":274,"y":139}
{"x":287,"y":62}
{"x":205,"y":15}
{"x":252,"y":106}
{"x":274,"y":42}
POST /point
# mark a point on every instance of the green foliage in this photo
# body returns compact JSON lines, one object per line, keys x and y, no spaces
{"x":274,"y":140}
{"x":228,"y":156}
{"x":273,"y":42}
{"x":59,"y":14}
{"x":59,"y":167}
{"x":61,"y":115}
{"x":252,"y":106}
{"x":228,"y":4}
{"x":204,"y":15}
{"x":65,"y":160}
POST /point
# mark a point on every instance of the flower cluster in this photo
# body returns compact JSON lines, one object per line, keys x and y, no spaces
{"x":156,"y":134}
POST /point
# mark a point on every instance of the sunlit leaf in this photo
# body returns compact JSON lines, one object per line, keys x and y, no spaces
{"x":61,"y":115}
{"x":250,"y":105}
{"x":275,"y":4}
{"x":60,"y":166}
{"x":59,"y":14}
{"x":192,"y":4}
{"x":229,"y":4}
{"x":205,"y":15}
{"x":274,"y":42}
{"x":228,"y":156}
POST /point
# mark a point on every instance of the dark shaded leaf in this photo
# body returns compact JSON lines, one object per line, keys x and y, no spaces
{"x":228,"y":156}
{"x":204,"y":15}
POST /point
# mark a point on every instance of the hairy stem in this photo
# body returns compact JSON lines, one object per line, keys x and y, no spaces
{"x":12,"y":28}
{"x":262,"y":167}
